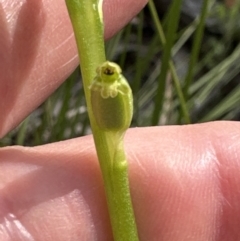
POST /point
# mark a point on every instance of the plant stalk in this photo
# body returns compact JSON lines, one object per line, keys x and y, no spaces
{"x":87,"y":24}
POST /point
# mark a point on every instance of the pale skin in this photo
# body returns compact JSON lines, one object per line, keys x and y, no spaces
{"x":184,"y":180}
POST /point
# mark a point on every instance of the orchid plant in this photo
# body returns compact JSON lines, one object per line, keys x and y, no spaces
{"x":184,"y":179}
{"x":27,"y":86}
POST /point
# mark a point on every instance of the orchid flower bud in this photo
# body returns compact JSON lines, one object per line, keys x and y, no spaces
{"x":111,"y":98}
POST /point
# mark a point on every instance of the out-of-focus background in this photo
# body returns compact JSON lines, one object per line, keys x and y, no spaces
{"x":182,"y":59}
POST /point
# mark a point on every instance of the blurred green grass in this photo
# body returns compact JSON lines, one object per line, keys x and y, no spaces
{"x":179,"y":74}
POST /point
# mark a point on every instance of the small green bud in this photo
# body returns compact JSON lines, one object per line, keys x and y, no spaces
{"x":111,"y":98}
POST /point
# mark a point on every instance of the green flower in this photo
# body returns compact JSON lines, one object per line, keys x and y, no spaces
{"x":111,"y":98}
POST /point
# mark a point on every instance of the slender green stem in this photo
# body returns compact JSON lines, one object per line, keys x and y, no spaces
{"x":127,"y":36}
{"x":157,"y":22}
{"x":22,"y":132}
{"x":138,"y":67}
{"x":167,"y":63}
{"x":172,"y":28}
{"x":196,"y":48}
{"x":88,"y":28}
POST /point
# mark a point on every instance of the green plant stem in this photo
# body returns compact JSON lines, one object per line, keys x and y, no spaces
{"x":167,"y":63}
{"x":172,"y":28}
{"x":138,"y":66}
{"x":196,"y":48}
{"x":22,"y":132}
{"x":88,"y":30}
{"x":170,"y":37}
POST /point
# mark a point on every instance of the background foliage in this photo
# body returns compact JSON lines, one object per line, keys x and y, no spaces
{"x":182,"y":69}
